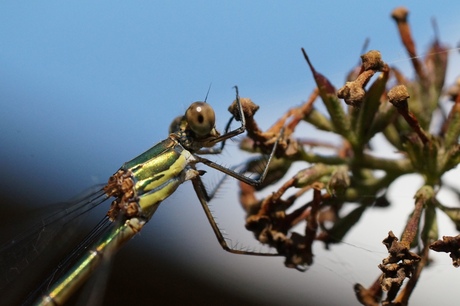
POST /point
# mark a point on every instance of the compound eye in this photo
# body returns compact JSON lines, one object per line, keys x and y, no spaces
{"x":200,"y":118}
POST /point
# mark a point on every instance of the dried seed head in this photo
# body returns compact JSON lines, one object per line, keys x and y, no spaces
{"x":398,"y":96}
{"x":400,"y":14}
{"x":249,"y":108}
{"x":449,"y":245}
{"x":352,"y":93}
{"x":372,"y":60}
{"x":398,"y":266}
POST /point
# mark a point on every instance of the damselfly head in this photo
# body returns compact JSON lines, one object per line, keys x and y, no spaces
{"x":201,"y":119}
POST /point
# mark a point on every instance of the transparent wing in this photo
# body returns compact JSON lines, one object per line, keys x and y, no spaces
{"x":26,"y":259}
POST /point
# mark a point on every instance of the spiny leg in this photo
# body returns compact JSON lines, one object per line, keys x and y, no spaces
{"x":239,"y":176}
{"x":203,"y":198}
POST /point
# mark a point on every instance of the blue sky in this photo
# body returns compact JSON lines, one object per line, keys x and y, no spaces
{"x":105,"y":79}
{"x":85,"y":86}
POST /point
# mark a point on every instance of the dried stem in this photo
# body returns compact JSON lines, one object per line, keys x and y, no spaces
{"x":400,"y":15}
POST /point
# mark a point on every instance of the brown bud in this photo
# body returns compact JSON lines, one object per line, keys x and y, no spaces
{"x":372,"y":60}
{"x":400,"y":14}
{"x":398,"y":96}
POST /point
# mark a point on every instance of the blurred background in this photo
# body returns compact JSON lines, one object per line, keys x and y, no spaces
{"x":86,"y":86}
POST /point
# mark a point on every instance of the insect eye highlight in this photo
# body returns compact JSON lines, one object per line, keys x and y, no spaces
{"x":200,"y":118}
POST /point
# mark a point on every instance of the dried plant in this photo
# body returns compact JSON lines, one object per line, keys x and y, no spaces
{"x":403,"y":115}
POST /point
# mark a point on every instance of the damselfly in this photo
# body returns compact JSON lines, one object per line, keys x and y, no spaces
{"x":138,"y":187}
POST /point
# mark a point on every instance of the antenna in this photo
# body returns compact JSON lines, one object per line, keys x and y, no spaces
{"x":209,"y":89}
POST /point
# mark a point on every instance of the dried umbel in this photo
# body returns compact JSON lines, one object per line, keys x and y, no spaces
{"x":402,"y":113}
